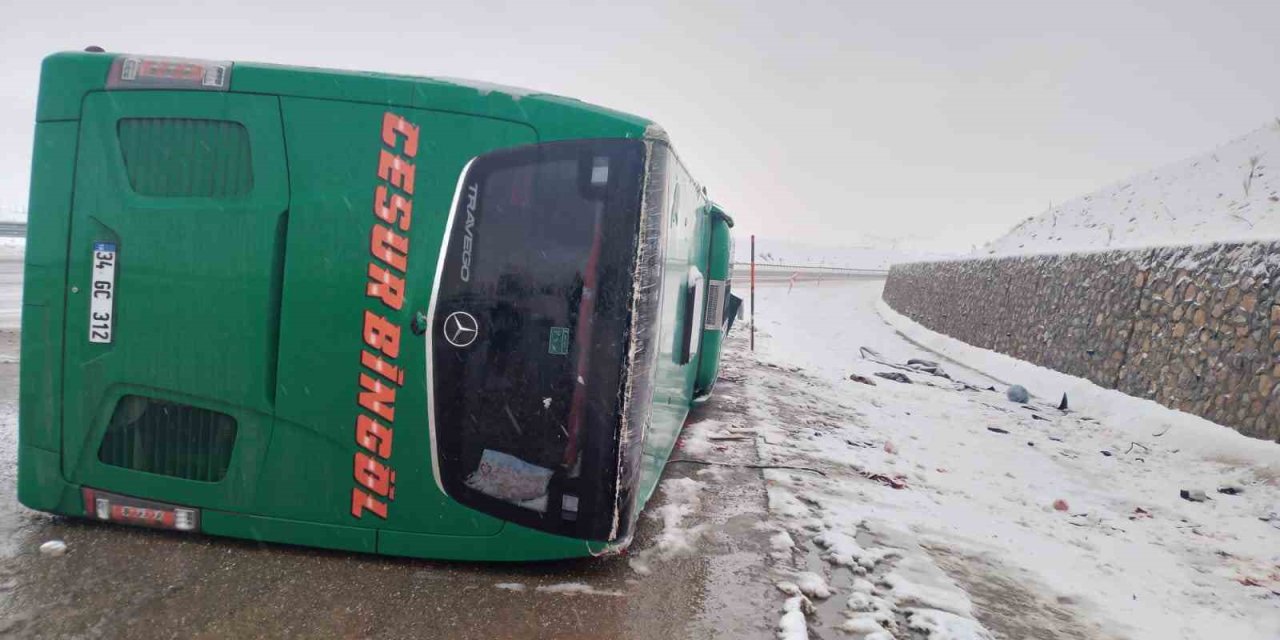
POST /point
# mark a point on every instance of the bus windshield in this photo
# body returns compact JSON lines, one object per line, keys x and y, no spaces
{"x":530,"y":333}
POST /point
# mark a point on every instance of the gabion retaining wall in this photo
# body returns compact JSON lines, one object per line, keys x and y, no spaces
{"x":1193,"y":328}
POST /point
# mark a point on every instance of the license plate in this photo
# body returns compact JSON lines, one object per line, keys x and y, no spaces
{"x":102,"y":293}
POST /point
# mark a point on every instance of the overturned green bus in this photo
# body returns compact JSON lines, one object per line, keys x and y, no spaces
{"x":360,"y":311}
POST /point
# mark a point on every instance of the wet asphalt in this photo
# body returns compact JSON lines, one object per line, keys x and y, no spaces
{"x":121,"y":582}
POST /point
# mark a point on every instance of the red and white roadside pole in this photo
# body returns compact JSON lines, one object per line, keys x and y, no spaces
{"x":753,"y":292}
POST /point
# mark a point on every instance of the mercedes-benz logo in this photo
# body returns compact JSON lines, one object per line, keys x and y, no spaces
{"x":461,"y":329}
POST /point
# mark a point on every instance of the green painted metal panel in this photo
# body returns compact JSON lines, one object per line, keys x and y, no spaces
{"x":555,"y":117}
{"x":719,"y":268}
{"x":334,"y":150}
{"x":40,"y":484}
{"x":266,"y":529}
{"x":65,"y":78}
{"x":196,"y":294}
{"x":512,"y":543}
{"x":685,"y":223}
{"x":43,"y":287}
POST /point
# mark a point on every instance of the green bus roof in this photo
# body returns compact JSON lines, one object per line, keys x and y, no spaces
{"x":67,"y":77}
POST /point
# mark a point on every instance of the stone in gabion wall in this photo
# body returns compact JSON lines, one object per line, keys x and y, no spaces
{"x":1194,"y":328}
{"x":1205,"y":335}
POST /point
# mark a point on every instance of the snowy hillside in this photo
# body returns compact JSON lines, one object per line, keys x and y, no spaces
{"x":1230,"y":193}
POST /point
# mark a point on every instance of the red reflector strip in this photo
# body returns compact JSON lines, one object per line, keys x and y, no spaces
{"x":89,"y":509}
{"x":136,"y":511}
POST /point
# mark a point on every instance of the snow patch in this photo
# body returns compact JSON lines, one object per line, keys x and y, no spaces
{"x":843,"y":550}
{"x":782,"y":544}
{"x":792,"y":625}
{"x":53,"y":548}
{"x":577,"y":588}
{"x":926,"y":587}
{"x":681,"y":500}
{"x":940,"y":625}
{"x":813,"y":585}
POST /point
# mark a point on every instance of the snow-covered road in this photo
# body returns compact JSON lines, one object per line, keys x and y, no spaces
{"x":936,"y":509}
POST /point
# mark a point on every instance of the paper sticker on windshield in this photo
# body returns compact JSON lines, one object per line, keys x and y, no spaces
{"x":558,"y":343}
{"x":509,"y":478}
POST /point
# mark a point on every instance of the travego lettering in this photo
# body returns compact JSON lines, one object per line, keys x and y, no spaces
{"x":468,"y":231}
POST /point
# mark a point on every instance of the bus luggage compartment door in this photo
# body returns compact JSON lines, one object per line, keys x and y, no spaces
{"x":175,"y":257}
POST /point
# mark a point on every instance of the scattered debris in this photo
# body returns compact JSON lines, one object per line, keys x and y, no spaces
{"x":1036,"y":416}
{"x":1140,"y":514}
{"x":863,"y":379}
{"x":1137,"y":444}
{"x":869,"y":353}
{"x":889,"y":447}
{"x":1060,"y":505}
{"x":1106,"y":453}
{"x":897,"y":482}
{"x":894,"y":376}
{"x":1230,"y":491}
{"x":1062,"y":406}
{"x":928,"y":366}
{"x":996,"y":430}
{"x":53,"y":548}
{"x":1018,"y":393}
{"x":1193,"y":495}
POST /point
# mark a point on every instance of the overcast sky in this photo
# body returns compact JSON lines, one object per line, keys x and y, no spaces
{"x":937,"y":125}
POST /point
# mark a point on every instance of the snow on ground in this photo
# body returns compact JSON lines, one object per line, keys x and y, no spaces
{"x":679,"y":534}
{"x":1230,"y":193}
{"x":929,"y":508}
